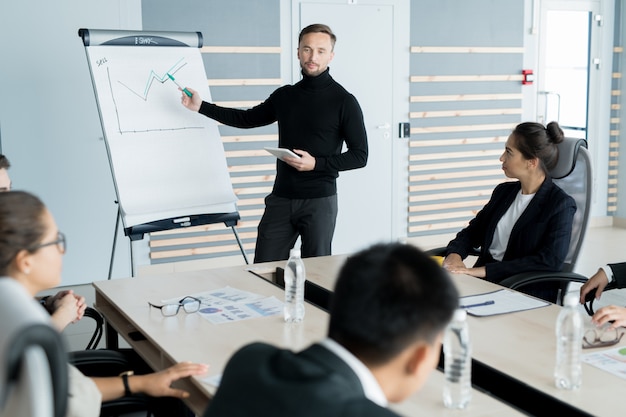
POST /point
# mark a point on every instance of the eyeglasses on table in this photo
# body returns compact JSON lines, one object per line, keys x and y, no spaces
{"x":188,"y":303}
{"x":601,"y":337}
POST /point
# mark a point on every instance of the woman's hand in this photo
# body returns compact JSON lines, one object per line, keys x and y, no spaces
{"x":65,"y":307}
{"x":158,"y":384}
{"x":453,"y":263}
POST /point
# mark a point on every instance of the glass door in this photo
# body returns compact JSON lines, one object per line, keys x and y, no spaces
{"x":566,"y":62}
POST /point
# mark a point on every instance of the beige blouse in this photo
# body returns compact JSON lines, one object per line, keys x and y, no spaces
{"x":84,"y":398}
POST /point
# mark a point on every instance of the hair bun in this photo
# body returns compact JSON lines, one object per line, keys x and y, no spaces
{"x":555,"y":133}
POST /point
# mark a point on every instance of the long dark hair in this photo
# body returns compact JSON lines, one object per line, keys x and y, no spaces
{"x":21,"y":225}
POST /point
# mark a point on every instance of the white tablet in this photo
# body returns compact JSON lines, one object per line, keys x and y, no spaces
{"x":280,"y":153}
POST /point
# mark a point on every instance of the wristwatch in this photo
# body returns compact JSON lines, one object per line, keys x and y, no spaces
{"x":124,"y":376}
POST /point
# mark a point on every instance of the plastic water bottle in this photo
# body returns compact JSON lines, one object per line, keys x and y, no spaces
{"x":457,"y":351}
{"x":569,"y":336}
{"x":295,"y":276}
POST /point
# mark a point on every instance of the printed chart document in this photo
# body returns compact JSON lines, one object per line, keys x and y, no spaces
{"x":611,"y":360}
{"x":230,"y":304}
{"x":499,"y":302}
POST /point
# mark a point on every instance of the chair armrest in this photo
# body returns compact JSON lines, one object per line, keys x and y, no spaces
{"x":436,"y":252}
{"x":517,"y":281}
{"x":99,"y":329}
{"x":99,"y":362}
{"x":591,"y":296}
{"x":442,"y":252}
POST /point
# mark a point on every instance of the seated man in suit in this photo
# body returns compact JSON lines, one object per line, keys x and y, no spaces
{"x":388,"y":312}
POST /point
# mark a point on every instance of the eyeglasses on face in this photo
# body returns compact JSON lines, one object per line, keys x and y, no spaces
{"x":188,"y":303}
{"x":60,"y":242}
{"x":601,"y":337}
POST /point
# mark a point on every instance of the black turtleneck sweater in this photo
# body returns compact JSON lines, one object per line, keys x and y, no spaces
{"x":316,"y":115}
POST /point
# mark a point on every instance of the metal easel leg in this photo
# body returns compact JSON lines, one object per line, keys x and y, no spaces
{"x":132,"y":260}
{"x":117,"y":225}
{"x":243,"y":252}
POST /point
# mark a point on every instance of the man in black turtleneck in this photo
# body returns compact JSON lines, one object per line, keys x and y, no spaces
{"x":315,"y":116}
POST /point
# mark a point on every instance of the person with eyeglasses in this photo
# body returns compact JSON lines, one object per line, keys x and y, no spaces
{"x":65,"y":306}
{"x":611,"y":273}
{"x":31,"y":259}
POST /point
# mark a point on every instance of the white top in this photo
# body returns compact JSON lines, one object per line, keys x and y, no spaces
{"x":20,"y":308}
{"x":371,"y":387}
{"x":505,"y":225}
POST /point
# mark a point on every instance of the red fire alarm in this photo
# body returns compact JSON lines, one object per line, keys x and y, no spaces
{"x":527,"y":76}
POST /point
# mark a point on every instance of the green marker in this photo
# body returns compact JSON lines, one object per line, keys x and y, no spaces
{"x":184,"y":89}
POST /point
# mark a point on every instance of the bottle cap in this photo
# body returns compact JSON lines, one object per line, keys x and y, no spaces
{"x":459,"y":315}
{"x":571,"y":299}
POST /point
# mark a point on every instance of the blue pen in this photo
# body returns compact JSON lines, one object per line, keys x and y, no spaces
{"x":485,"y":303}
{"x":184,"y":89}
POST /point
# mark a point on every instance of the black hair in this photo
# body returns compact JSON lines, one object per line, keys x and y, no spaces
{"x":386,"y":298}
{"x":534,"y":140}
{"x":21,"y":225}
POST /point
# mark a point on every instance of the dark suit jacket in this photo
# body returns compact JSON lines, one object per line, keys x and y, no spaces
{"x":619,"y":274}
{"x":539,"y":240}
{"x":262,"y":380}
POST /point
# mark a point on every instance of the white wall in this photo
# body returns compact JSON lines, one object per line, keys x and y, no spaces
{"x":50,"y":128}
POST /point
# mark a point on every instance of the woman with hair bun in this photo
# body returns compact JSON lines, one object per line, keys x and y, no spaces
{"x":527,"y":224}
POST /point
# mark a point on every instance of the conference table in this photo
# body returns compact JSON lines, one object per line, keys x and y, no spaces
{"x":164,"y":341}
{"x":513,"y":354}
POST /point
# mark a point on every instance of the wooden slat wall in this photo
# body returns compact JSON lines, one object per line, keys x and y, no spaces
{"x":252,"y":171}
{"x":615,"y":131}
{"x":457,"y":136}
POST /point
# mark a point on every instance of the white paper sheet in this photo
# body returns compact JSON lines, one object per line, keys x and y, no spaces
{"x":499,"y":302}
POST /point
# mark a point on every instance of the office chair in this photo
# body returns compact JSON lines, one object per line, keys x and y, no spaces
{"x":33,"y":368}
{"x":96,"y":362}
{"x":35,"y":380}
{"x":99,"y":327}
{"x":573,"y":174}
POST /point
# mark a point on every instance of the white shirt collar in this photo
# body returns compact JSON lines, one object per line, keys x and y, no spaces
{"x":371,"y":387}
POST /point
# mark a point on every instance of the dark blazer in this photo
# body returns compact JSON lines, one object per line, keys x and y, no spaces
{"x":262,"y":380}
{"x":619,"y":274}
{"x":539,"y":239}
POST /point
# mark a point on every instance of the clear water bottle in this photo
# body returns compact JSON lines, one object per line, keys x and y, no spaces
{"x":295,"y":276}
{"x":457,"y":351}
{"x":569,"y":336}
